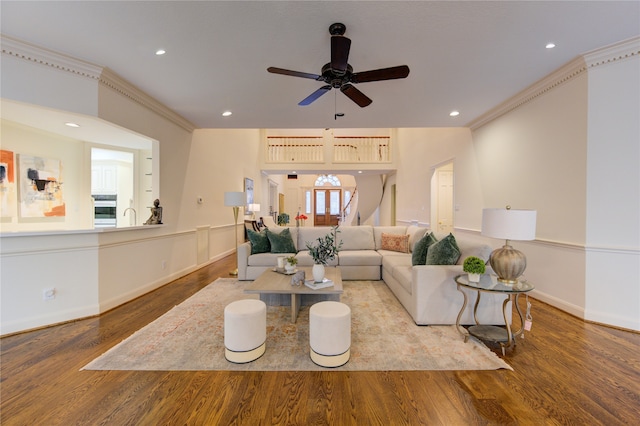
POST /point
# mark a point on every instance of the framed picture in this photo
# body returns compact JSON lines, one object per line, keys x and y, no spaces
{"x":40,"y":187}
{"x":248,"y":190}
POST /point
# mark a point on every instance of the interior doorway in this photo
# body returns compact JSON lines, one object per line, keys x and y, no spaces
{"x":442,"y":186}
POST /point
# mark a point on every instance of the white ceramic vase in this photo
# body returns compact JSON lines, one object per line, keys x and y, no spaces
{"x":474,"y":278}
{"x":318,"y":273}
{"x":289,"y":267}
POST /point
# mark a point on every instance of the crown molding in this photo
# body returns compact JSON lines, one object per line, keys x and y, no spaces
{"x":606,"y":55}
{"x":567,"y":72}
{"x":113,"y":81}
{"x":32,"y":53}
{"x":613,"y":53}
{"x":104,"y":76}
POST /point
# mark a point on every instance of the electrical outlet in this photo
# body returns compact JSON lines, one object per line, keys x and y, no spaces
{"x":48,"y":294}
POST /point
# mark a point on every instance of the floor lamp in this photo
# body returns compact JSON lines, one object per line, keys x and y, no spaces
{"x":235,"y":200}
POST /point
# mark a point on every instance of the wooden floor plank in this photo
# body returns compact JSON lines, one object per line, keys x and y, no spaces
{"x":566,"y":371}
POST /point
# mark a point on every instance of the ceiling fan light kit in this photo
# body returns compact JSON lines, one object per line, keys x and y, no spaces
{"x":338,"y":74}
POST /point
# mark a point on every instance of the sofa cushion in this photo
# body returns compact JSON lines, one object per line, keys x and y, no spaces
{"x":467,"y":249}
{"x":310,"y":234}
{"x":282,"y":242}
{"x":394,"y":242}
{"x":403,"y":274}
{"x":443,"y":252}
{"x":415,"y":234}
{"x":419,"y":255}
{"x":259,"y":241}
{"x":378,"y":230}
{"x":359,"y":258}
{"x":356,"y":237}
{"x":305,"y":259}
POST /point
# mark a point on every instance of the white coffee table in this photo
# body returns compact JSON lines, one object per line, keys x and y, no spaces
{"x":275,"y":289}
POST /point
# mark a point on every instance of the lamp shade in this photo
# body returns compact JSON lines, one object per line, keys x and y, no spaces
{"x":254,"y":207}
{"x":234,"y":199}
{"x":507,"y":224}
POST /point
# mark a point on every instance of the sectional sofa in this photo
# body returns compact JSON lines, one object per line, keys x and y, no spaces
{"x":427,"y":292}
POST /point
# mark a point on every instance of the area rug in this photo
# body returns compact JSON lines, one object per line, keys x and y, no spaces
{"x":383,"y":337}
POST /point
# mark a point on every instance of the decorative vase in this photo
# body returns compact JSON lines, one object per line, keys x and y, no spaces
{"x":318,"y":272}
{"x":289,"y":267}
{"x":474,"y":278}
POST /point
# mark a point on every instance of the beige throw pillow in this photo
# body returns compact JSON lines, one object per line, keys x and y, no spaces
{"x":395,"y":242}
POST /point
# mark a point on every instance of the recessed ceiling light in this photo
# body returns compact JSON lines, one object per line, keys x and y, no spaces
{"x":70,"y":124}
{"x":454,"y":113}
{"x":226,"y":113}
{"x":160,"y":52}
{"x":360,"y":171}
{"x":550,"y":45}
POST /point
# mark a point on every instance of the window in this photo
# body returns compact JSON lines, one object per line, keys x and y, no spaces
{"x":307,"y":202}
{"x":347,"y":198}
{"x":328,"y":180}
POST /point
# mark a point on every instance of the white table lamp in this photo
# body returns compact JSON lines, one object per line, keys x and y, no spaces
{"x":507,"y":224}
{"x":253,"y":208}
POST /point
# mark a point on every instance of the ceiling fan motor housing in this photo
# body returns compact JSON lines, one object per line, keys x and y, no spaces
{"x":337,"y":29}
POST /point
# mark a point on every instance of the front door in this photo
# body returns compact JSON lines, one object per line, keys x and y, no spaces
{"x":328,"y":205}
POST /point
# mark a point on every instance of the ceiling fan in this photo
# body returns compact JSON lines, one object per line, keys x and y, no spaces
{"x":339,"y":74}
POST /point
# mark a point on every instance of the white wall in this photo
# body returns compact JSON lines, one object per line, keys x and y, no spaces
{"x":613,"y":194}
{"x":420,"y":152}
{"x":534,"y":157}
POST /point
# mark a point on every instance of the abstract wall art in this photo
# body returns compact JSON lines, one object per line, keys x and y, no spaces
{"x":8,"y":200}
{"x":248,"y":189}
{"x":40,"y":187}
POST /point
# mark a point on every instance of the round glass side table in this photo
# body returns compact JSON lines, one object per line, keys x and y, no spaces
{"x":491,"y":333}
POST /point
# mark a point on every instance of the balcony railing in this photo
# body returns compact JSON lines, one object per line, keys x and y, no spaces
{"x":356,"y":149}
{"x":344,"y":149}
{"x":297,"y":149}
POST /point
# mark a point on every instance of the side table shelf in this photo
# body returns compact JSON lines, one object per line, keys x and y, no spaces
{"x":491,"y":333}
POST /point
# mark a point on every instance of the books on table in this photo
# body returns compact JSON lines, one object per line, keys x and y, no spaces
{"x":316,"y":286}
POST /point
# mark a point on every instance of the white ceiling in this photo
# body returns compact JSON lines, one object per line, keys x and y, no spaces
{"x":468,"y":56}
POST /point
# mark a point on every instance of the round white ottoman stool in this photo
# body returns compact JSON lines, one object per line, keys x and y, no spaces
{"x":245,"y":330}
{"x":330,"y":333}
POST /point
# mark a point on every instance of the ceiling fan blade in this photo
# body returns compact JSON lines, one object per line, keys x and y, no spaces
{"x":340,"y":46}
{"x":392,"y":73}
{"x":355,"y":95}
{"x":282,"y":71}
{"x":315,"y":95}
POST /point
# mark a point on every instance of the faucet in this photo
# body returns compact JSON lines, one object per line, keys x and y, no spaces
{"x":134,"y":214}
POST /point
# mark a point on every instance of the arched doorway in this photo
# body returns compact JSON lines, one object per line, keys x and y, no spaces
{"x":327,"y":194}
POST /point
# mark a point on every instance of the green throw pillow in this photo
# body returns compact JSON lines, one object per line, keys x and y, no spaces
{"x":444,"y":252}
{"x":419,"y":255}
{"x":282,"y":242}
{"x":259,"y":241}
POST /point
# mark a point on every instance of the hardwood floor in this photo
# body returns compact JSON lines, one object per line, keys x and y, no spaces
{"x":566,"y":372}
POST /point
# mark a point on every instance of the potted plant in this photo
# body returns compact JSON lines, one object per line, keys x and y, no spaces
{"x":474,"y":266}
{"x":290,"y":264}
{"x":322,"y":252}
{"x":283,"y":219}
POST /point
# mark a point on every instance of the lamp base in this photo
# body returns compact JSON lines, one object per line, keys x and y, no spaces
{"x":508,"y":263}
